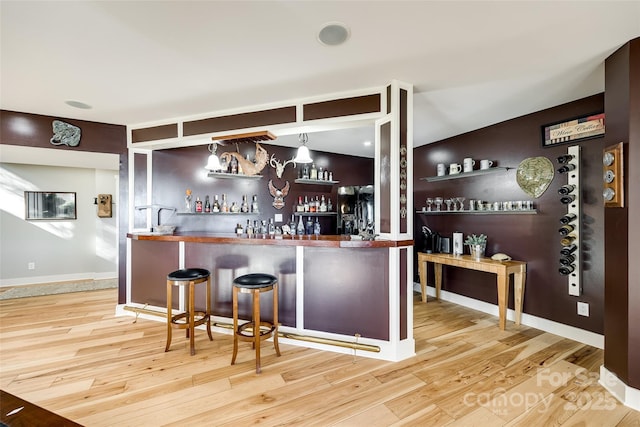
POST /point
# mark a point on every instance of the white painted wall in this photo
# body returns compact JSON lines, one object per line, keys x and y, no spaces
{"x":61,"y":250}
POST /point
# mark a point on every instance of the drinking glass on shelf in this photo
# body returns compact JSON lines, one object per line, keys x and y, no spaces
{"x":448,"y":202}
{"x":461,"y":201}
{"x":438,"y":201}
{"x":429,"y":203}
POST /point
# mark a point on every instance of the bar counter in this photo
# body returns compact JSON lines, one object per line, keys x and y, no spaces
{"x":335,"y":292}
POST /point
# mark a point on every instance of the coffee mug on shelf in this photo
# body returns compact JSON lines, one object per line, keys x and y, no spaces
{"x":454,"y":168}
{"x":441,"y":169}
{"x":485,"y":164}
{"x":468,"y":164}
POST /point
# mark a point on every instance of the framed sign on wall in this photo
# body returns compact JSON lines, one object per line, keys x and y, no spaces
{"x":49,"y":205}
{"x":571,"y":131}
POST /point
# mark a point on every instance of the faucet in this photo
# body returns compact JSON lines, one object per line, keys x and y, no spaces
{"x":160,"y":209}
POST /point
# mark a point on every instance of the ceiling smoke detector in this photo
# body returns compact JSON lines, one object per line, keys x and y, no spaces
{"x":333,"y":34}
{"x":78,"y":104}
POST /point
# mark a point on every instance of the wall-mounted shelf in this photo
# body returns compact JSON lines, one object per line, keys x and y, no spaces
{"x":217,"y":213}
{"x":466,"y":174}
{"x":232,"y":175}
{"x":514,"y":212}
{"x":315,"y":213}
{"x":315,"y":181}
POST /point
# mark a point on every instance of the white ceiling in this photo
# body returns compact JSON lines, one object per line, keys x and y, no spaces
{"x":472,"y":63}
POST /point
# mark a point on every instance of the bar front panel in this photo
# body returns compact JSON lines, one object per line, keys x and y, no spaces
{"x":346,"y":291}
{"x":229,"y":261}
{"x":150,"y":264}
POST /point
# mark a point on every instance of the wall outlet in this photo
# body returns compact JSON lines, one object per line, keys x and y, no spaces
{"x":583,"y":309}
{"x":31,"y":265}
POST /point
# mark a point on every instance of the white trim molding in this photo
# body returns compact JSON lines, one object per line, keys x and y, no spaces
{"x":628,"y":396}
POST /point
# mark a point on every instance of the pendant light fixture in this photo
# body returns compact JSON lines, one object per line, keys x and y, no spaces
{"x":303,"y":151}
{"x":213,"y":163}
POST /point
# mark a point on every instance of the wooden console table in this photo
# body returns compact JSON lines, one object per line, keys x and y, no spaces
{"x":501,"y":268}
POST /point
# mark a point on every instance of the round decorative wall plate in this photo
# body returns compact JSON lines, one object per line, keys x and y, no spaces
{"x":534,"y":175}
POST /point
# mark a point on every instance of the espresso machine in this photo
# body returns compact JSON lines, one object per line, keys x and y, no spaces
{"x":355,"y":209}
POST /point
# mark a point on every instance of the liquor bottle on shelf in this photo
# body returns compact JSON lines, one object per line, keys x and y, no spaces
{"x":566,"y":189}
{"x":320,"y":174}
{"x":292,"y":225}
{"x":254,"y":204}
{"x":566,"y":219}
{"x":245,"y":205}
{"x":306,"y":204}
{"x":216,"y":204}
{"x":271,"y":227}
{"x":300,"y":205}
{"x":234,"y":165}
{"x":300,"y":228}
{"x":567,"y":240}
{"x":566,"y":229}
{"x":314,"y":172}
{"x":249,"y":228}
{"x":308,"y":228}
{"x":566,"y":168}
{"x":305,"y":171}
{"x":329,"y":206}
{"x":566,"y":269}
{"x":225,"y":206}
{"x":323,"y":204}
{"x":264,"y":229}
{"x":234,"y":207}
{"x":568,"y":250}
{"x":312,"y":206}
{"x":326,"y":175}
{"x":316,"y":227}
{"x":567,"y":259}
{"x":239,"y":229}
{"x":207,"y":204}
{"x":566,"y":158}
{"x":330,"y":176}
{"x":198,"y":205}
{"x":317,"y":204}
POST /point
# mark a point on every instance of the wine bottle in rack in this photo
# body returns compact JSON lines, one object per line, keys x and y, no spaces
{"x":566,"y":229}
{"x":566,"y":189}
{"x":568,"y":250}
{"x":566,"y":168}
{"x":566,"y":219}
{"x":566,"y":269}
{"x":569,"y":198}
{"x":565,"y":158}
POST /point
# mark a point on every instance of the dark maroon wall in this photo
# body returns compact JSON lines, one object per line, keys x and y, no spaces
{"x":622,"y":271}
{"x":530,"y":238}
{"x":33,"y":130}
{"x":175,"y":170}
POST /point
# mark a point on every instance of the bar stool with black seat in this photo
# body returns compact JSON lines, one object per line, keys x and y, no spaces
{"x":255,"y":284}
{"x":190,"y":318}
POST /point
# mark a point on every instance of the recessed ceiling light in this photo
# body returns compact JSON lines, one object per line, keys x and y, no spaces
{"x":333,"y":34}
{"x":78,"y":104}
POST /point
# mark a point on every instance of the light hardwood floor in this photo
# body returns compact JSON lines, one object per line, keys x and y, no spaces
{"x":71,"y":355}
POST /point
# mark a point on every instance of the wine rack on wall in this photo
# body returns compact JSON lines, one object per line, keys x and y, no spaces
{"x":570,"y":259}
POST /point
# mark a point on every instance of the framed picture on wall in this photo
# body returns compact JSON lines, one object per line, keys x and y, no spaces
{"x":573,"y":130}
{"x":49,"y":205}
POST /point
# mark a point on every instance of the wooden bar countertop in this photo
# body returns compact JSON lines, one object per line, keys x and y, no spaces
{"x":327,"y":241}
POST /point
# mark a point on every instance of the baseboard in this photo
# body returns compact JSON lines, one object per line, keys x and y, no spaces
{"x":22,"y":281}
{"x":560,"y":329}
{"x":629,"y":396}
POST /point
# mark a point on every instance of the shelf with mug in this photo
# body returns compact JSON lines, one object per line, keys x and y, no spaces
{"x":315,"y":181}
{"x":466,"y":174}
{"x":482,"y":212}
{"x":232,"y":175}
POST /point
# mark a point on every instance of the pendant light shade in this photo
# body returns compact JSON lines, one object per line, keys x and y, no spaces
{"x":213,"y":162}
{"x":303,"y":152}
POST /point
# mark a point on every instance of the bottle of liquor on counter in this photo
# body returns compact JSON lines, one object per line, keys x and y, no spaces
{"x":254,"y":204}
{"x":314,"y":172}
{"x":300,"y":205}
{"x":300,"y":228}
{"x":292,"y":225}
{"x":308,"y":228}
{"x":216,"y":204}
{"x":316,"y":227}
{"x":198,"y":205}
{"x":239,"y":229}
{"x":323,"y":204}
{"x":207,"y":204}
{"x":245,"y":205}
{"x":271,"y":227}
{"x":225,"y":206}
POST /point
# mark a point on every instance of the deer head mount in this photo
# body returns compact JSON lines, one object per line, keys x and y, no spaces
{"x":279,"y":167}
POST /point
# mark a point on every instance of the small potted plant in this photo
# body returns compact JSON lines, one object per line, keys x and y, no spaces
{"x":477,"y":245}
